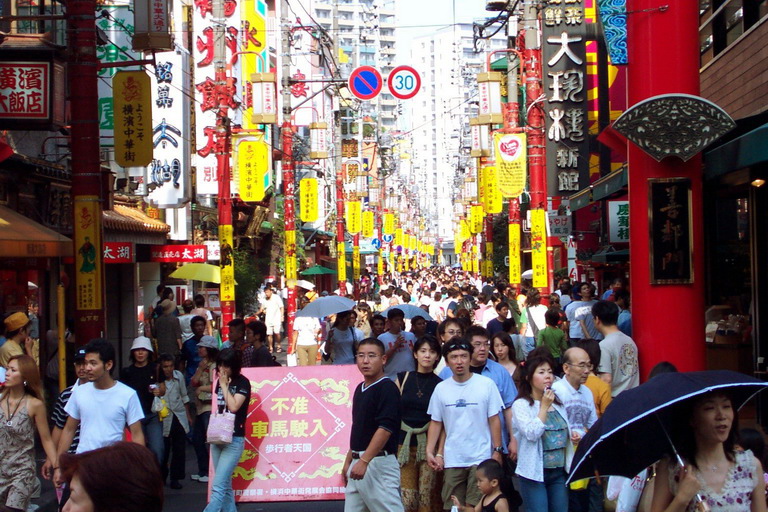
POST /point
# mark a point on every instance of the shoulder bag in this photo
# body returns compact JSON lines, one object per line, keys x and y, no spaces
{"x":533,"y":325}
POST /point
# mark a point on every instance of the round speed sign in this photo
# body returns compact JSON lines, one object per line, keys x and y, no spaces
{"x":404,"y":82}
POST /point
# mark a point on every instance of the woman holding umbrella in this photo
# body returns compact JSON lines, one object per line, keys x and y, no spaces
{"x":716,"y":476}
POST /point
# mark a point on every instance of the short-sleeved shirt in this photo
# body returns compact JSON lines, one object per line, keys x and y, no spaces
{"x":554,"y":339}
{"x":238,"y":386}
{"x":402,"y":360}
{"x":583,"y":311}
{"x":9,"y":350}
{"x":579,"y":404}
{"x":273,"y":310}
{"x":103,"y":413}
{"x":257,"y":357}
{"x":601,"y":392}
{"x":373,"y":407}
{"x":59,"y":416}
{"x":618,"y":356}
{"x":167,"y":332}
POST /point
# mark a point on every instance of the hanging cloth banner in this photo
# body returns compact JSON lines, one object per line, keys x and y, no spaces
{"x":492,"y":195}
{"x":539,"y":247}
{"x":389,"y":224}
{"x":511,"y":163}
{"x":308,"y":199}
{"x":476,"y":216}
{"x":368,"y":224}
{"x":354,"y":213}
{"x":514,"y":254}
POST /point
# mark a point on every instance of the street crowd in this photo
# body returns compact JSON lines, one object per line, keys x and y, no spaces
{"x":475,"y":396}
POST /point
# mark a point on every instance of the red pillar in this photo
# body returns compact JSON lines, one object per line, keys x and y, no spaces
{"x":668,"y":320}
{"x":289,"y":219}
{"x":340,"y":255}
{"x":224,"y":175}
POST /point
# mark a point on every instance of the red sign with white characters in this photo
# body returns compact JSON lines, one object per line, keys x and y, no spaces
{"x":179,"y":253}
{"x":118,"y":252}
{"x":24,"y":90}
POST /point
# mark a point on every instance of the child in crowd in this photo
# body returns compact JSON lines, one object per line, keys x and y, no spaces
{"x":552,"y":337}
{"x":489,"y":474}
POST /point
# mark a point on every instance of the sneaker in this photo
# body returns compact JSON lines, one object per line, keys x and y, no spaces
{"x":195,"y":477}
{"x":203,"y":479}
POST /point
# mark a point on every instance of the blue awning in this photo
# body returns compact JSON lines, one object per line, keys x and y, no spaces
{"x":744,"y":151}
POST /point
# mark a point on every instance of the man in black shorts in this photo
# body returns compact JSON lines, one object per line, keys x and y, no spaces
{"x":371,"y":471}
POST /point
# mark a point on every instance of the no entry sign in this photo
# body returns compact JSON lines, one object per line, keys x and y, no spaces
{"x":404,"y":82}
{"x":365,"y":82}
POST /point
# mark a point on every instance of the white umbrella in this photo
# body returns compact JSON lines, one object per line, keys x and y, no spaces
{"x":325,"y":306}
{"x":410,"y":311}
{"x":528,"y":274}
{"x":305,"y":284}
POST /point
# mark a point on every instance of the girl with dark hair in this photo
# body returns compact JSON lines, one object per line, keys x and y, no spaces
{"x":233,"y":393}
{"x":343,"y":338}
{"x":726,"y":479}
{"x":448,"y":329}
{"x":503,"y":350}
{"x":543,"y":435}
{"x":201,"y":383}
{"x":22,"y":411}
{"x":420,"y":492}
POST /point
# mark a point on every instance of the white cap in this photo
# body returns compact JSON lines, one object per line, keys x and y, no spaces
{"x":142,"y":342}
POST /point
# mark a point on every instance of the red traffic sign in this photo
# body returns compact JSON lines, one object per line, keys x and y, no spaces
{"x":404,"y":82}
{"x":365,"y":82}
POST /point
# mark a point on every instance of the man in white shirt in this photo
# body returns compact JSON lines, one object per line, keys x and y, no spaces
{"x":618,"y":366}
{"x":467,"y":405}
{"x":272,"y":307}
{"x":398,"y":345}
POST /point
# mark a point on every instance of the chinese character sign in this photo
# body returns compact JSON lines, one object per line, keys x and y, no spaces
{"x":476,"y":217}
{"x":308,"y":199}
{"x":118,"y":252}
{"x":252,"y":162}
{"x":227,"y":263}
{"x":356,"y":262}
{"x":296,"y":434}
{"x":354,"y":211}
{"x":341,"y":262}
{"x":618,"y":221}
{"x":132,"y":100}
{"x":178,"y":253}
{"x":492,"y":193}
{"x":511,"y":163}
{"x":539,"y":248}
{"x":291,"y":263}
{"x":87,"y":244}
{"x":515,"y":276}
{"x":671,"y":240}
{"x":565,"y":86}
{"x":388,"y":224}
{"x":368,"y":223}
{"x":25,"y":90}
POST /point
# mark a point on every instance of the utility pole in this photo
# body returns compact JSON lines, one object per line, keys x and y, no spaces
{"x":289,"y":179}
{"x":511,"y":122}
{"x":341,"y":257}
{"x":224,"y":94}
{"x":87,"y":188}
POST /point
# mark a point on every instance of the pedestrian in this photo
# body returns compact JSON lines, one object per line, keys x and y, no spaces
{"x":497,"y":324}
{"x":446,"y":331}
{"x":176,"y":424}
{"x":272,"y":308}
{"x":532,"y":319}
{"x":201,"y":383}
{"x":544,"y":437}
{"x":255,"y":353}
{"x":579,"y":313}
{"x":17,"y":340}
{"x":489,"y":477}
{"x":378,"y":325}
{"x":398,"y":345}
{"x":619,"y":366}
{"x":200,"y":310}
{"x":363,"y":323}
{"x":233,"y":393}
{"x":143,"y":376}
{"x":553,"y":338}
{"x":417,"y":480}
{"x":616,"y":285}
{"x":185,"y":320}
{"x":22,"y":412}
{"x":466,"y":406}
{"x":189,"y":353}
{"x":343,"y":339}
{"x":167,"y":329}
{"x":236,"y":336}
{"x":503,"y":350}
{"x":601,"y":390}
{"x":306,"y":339}
{"x":371,"y":472}
{"x":121,"y":477}
{"x":625,"y":316}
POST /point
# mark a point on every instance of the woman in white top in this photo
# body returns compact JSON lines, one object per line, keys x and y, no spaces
{"x":343,"y":338}
{"x":544,"y":438}
{"x":532,"y":319}
{"x":306,"y":334}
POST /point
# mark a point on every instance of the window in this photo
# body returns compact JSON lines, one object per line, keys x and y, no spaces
{"x":722,"y":22}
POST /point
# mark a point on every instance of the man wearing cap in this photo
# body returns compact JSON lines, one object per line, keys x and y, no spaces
{"x":18,"y":342}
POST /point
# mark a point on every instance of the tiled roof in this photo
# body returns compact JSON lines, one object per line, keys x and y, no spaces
{"x":125,"y":218}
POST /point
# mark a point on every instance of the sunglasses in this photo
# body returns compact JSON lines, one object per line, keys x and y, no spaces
{"x":458,"y":346}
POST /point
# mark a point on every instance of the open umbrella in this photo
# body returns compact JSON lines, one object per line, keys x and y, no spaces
{"x":316,"y":270}
{"x":198,"y":272}
{"x":410,"y":311}
{"x":325,"y":306}
{"x":305,"y":284}
{"x":641,"y":425}
{"x":528,"y":274}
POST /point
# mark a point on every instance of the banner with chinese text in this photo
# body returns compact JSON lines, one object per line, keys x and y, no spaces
{"x":308,"y":199}
{"x":87,"y":262}
{"x":178,"y":253}
{"x":132,"y":100}
{"x":511,"y":163}
{"x":539,"y":248}
{"x":226,"y":263}
{"x":514,"y":254}
{"x":252,"y":163}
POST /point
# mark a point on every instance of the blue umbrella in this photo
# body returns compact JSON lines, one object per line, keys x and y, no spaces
{"x":640,"y":425}
{"x":410,"y":311}
{"x":324,"y":306}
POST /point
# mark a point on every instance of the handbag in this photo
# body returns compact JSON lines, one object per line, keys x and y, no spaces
{"x":160,"y":406}
{"x":221,"y":426}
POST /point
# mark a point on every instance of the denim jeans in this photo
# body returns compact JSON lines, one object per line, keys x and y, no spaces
{"x":153,"y":436}
{"x":225,"y":458}
{"x":551,"y":495}
{"x":199,"y":434}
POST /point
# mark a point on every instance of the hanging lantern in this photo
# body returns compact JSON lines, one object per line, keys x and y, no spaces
{"x":481,"y":139}
{"x":152,"y":26}
{"x":318,"y":139}
{"x":264,"y":98}
{"x":489,"y":90}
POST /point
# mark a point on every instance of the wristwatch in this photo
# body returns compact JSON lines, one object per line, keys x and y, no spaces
{"x":498,"y":449}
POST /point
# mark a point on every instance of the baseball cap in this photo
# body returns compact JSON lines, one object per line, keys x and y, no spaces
{"x":208,"y":342}
{"x":80,"y":355}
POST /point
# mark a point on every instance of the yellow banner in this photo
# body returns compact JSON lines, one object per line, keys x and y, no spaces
{"x":464,"y":231}
{"x":380,"y":265}
{"x":252,"y":163}
{"x":514,"y":254}
{"x":476,"y":216}
{"x":511,"y":163}
{"x":227,"y":263}
{"x":399,"y":239}
{"x":255,"y":47}
{"x":341,"y":263}
{"x":356,"y":262}
{"x":308,"y":203}
{"x":132,"y":111}
{"x":539,"y":247}
{"x":368,"y":224}
{"x":291,"y":270}
{"x":88,"y":259}
{"x":354,"y":216}
{"x":411,"y":243}
{"x":492,"y":194}
{"x":389,"y":224}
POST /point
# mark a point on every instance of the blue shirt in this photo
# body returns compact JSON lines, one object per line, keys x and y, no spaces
{"x":625,"y":322}
{"x":190,"y":355}
{"x":500,"y":376}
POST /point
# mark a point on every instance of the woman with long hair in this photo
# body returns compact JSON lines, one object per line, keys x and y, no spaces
{"x":363,"y":322}
{"x":726,"y":479}
{"x":543,"y":437}
{"x":503,"y":350}
{"x":343,"y":338}
{"x":532,"y":320}
{"x":233,"y":393}
{"x":22,"y":411}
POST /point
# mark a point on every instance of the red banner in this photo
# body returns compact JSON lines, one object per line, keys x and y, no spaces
{"x":179,"y":253}
{"x":118,"y":252}
{"x":296,"y":433}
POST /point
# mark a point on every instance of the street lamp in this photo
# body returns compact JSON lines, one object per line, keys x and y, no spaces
{"x":264,"y":98}
{"x":489,"y":90}
{"x":318,"y":140}
{"x":481,"y":138}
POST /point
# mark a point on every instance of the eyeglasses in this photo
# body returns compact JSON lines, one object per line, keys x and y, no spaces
{"x":478,"y":344}
{"x":367,"y":356}
{"x":454,"y":332}
{"x":581,"y":366}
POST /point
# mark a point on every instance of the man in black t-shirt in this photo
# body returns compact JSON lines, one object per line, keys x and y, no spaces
{"x":371,"y":471}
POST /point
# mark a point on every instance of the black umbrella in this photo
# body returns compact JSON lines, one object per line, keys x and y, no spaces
{"x":641,"y":425}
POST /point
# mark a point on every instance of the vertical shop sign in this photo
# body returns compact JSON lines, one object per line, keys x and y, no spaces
{"x":669,"y":207}
{"x":291,"y":264}
{"x":88,"y":243}
{"x":341,"y":262}
{"x":227,"y":263}
{"x":308,"y":199}
{"x":356,"y":262}
{"x":368,"y":224}
{"x":618,"y":221}
{"x":132,"y":99}
{"x":511,"y":163}
{"x":539,"y":247}
{"x":492,"y":196}
{"x":565,"y":86}
{"x":354,"y":211}
{"x":252,"y":162}
{"x":388,"y":224}
{"x":515,"y":276}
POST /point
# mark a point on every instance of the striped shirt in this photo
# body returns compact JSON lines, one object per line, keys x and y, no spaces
{"x":59,"y":417}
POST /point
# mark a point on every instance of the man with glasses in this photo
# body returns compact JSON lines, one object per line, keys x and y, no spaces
{"x":580,"y":407}
{"x":467,"y":406}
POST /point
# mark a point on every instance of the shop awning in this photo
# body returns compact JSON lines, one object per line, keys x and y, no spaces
{"x":609,"y":184}
{"x":610,"y":255}
{"x":744,"y":151}
{"x":21,"y":237}
{"x":580,"y":199}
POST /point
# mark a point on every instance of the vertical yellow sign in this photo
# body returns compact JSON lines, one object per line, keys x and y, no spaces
{"x":308,"y":203}
{"x":389,"y":224}
{"x":511,"y":162}
{"x":380,"y":265}
{"x":354,"y":211}
{"x":291,"y":265}
{"x":132,"y":100}
{"x":253,"y":14}
{"x":341,"y":263}
{"x":476,"y":217}
{"x":87,"y":260}
{"x":492,"y":194}
{"x":252,"y":162}
{"x":514,"y":254}
{"x":356,"y":262}
{"x":227,"y":263}
{"x":539,"y":247}
{"x":368,"y":224}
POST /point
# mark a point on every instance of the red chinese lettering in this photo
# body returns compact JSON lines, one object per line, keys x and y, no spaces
{"x":31,"y":78}
{"x":7,"y":78}
{"x":210,"y":145}
{"x":205,"y":47}
{"x":250,"y":35}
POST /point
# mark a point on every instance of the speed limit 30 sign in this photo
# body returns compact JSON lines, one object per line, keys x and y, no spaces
{"x":404,"y":82}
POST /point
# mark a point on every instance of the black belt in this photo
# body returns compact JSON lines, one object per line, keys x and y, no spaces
{"x":383,"y":453}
